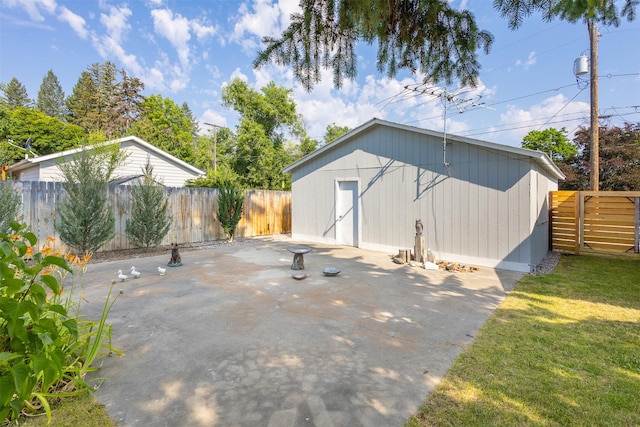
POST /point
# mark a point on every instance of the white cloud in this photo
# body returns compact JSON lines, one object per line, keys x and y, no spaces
{"x":76,"y":22}
{"x":262,"y":18}
{"x":202,"y":31}
{"x":531,"y":60}
{"x":554,"y":112}
{"x":116,"y":22}
{"x":175,"y":29}
{"x":33,"y":7}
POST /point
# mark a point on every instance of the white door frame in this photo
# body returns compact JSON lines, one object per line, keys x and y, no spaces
{"x":355,"y":213}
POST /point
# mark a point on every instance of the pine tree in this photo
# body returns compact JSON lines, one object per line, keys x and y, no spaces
{"x":15,"y":94}
{"x":150,"y":221}
{"x":230,"y":201}
{"x":86,"y":218}
{"x":432,"y":37}
{"x":102,"y":103}
{"x":51,"y":97}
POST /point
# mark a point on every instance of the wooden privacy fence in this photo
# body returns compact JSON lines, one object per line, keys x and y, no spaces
{"x":595,"y":221}
{"x":194,"y":212}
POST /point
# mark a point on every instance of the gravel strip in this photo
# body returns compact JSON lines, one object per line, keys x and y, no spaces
{"x":548,"y":263}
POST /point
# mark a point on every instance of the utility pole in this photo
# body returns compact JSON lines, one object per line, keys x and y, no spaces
{"x":215,"y":145}
{"x":594,"y":146}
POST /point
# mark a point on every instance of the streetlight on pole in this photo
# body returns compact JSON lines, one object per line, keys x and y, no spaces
{"x":215,"y":145}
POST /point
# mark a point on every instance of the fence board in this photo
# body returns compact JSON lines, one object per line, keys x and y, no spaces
{"x":604,"y":221}
{"x":193,"y":212}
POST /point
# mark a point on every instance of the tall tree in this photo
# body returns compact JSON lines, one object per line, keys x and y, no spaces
{"x":47,"y":134}
{"x":164,"y":124}
{"x":51,"y":97}
{"x":427,"y":36}
{"x":334,"y":132}
{"x":15,"y":94}
{"x":86,"y":219}
{"x":619,"y":159}
{"x":553,"y":142}
{"x":194,"y":123}
{"x":266,"y":118}
{"x":105,"y":100}
{"x":128,"y":104}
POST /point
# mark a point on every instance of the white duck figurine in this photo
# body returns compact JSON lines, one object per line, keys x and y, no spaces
{"x":122,"y":277}
{"x":162,"y":271}
{"x":134,"y":273}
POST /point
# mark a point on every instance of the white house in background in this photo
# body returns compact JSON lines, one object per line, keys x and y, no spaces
{"x":480,"y":203}
{"x":169,"y":170}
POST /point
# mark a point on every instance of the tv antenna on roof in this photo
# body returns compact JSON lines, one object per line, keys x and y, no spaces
{"x":449,"y":100}
{"x":27,"y":147}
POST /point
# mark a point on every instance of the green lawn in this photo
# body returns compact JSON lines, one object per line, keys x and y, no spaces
{"x":562,"y":349}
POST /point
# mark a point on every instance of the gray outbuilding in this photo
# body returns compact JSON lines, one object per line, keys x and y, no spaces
{"x":480,"y":203}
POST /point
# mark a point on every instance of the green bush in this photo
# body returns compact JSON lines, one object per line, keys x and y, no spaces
{"x":230,"y":201}
{"x":85,"y":218}
{"x":9,"y":205}
{"x":45,"y":349}
{"x":150,"y":220}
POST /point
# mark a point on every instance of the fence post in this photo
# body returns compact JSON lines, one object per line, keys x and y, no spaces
{"x":579,"y":209}
{"x":637,"y":227}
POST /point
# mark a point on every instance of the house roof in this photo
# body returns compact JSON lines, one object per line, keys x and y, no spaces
{"x":538,"y":156}
{"x":26,"y":163}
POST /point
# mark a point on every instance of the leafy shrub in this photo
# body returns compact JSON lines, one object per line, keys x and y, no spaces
{"x":45,"y":350}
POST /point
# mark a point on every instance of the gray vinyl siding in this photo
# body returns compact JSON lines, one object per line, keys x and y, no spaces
{"x":480,"y":208}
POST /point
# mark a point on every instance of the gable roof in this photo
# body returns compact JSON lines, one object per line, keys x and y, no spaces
{"x":538,"y":156}
{"x":26,"y":163}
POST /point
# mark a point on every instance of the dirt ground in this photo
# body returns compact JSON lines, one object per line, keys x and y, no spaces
{"x":106,"y":256}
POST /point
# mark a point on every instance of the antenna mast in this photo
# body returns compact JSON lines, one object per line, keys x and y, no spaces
{"x":448,"y":100}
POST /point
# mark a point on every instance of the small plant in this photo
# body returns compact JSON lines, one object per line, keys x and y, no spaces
{"x":150,"y":220}
{"x":45,"y":352}
{"x":230,"y":203}
{"x":9,"y":205}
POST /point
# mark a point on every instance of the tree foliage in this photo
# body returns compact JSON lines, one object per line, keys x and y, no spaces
{"x":51,"y":97}
{"x":427,"y":36}
{"x":553,"y":142}
{"x":334,"y":132}
{"x":150,"y":221}
{"x":230,"y":202}
{"x":15,"y":94}
{"x":48,"y":134}
{"x":605,"y":12}
{"x":105,"y":100}
{"x":619,"y":159}
{"x":85,"y":218}
{"x":164,"y":124}
{"x":266,"y":117}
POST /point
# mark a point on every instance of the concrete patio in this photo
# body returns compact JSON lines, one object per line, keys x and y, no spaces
{"x":231,"y":339}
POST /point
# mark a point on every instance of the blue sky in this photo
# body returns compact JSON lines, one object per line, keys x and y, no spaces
{"x":187,"y":50}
